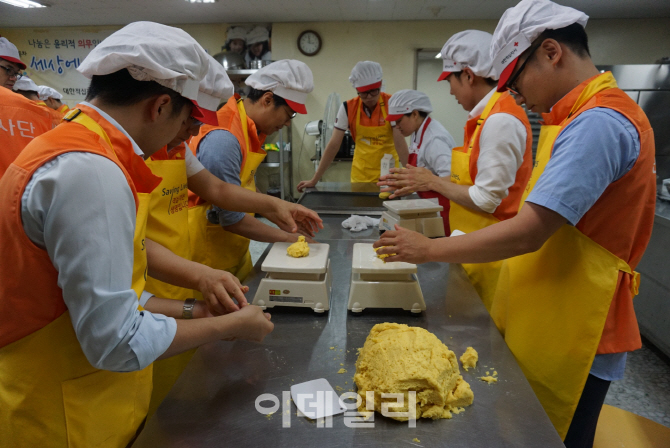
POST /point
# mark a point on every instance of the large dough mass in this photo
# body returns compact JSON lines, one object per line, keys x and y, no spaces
{"x":397,"y":358}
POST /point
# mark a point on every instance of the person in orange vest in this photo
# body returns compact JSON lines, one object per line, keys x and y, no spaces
{"x":431,"y":143}
{"x":365,"y":117}
{"x":21,"y":120}
{"x":490,"y":171}
{"x":52,"y":99}
{"x":232,"y":151}
{"x":76,"y":346}
{"x":27,"y":87}
{"x":564,"y":299}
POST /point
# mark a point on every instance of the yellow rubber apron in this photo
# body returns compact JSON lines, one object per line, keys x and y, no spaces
{"x":52,"y":376}
{"x":168,"y":226}
{"x":551,"y":305}
{"x":211,"y":244}
{"x":483,"y":276}
{"x":372,"y":142}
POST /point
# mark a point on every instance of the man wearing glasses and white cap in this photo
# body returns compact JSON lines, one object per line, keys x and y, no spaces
{"x":564,"y":301}
{"x":21,"y":120}
{"x":365,"y":117}
{"x":76,"y":347}
{"x":430,"y":147}
{"x":232,"y":151}
{"x":490,"y":171}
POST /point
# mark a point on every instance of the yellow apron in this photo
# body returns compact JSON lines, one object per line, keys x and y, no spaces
{"x":372,"y":142}
{"x":483,"y":276}
{"x":210,"y":243}
{"x":87,"y":407}
{"x":551,"y":305}
{"x":168,"y":226}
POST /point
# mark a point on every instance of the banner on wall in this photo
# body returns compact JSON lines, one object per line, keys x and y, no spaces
{"x":52,"y":58}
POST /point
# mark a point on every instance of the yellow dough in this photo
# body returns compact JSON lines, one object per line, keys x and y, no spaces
{"x":489,"y":379}
{"x":382,"y":256}
{"x":299,"y":248}
{"x":397,"y":358}
{"x":384,"y":194}
{"x":469,"y":358}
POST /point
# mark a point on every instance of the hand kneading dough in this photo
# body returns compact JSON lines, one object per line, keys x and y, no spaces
{"x":299,"y":248}
{"x":382,"y":256}
{"x":397,"y":358}
{"x":469,"y":358}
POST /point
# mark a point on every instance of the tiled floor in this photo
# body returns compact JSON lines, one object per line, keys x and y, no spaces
{"x":645,"y":389}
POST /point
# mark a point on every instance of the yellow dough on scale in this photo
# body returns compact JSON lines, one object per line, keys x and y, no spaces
{"x":397,"y":358}
{"x":298,"y":249}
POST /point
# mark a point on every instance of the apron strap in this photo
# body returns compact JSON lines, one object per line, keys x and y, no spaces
{"x":634,"y":277}
{"x":77,"y":116}
{"x":482,"y":117}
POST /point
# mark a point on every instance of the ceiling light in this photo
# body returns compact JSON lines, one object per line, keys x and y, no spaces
{"x":23,"y":3}
{"x":438,"y":56}
{"x":196,"y":1}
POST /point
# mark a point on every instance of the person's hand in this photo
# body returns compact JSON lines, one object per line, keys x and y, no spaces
{"x":200,"y":310}
{"x":306,"y":184}
{"x":408,"y":180}
{"x":292,"y":218}
{"x":406,"y":245}
{"x":293,"y":238}
{"x":253,"y":324}
{"x":217,"y":287}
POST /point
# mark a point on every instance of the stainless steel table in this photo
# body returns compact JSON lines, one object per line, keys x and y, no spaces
{"x":213,"y":402}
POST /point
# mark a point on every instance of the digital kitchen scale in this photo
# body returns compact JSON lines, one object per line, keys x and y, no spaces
{"x":420,"y":215}
{"x":375,"y":284}
{"x":297,"y":282}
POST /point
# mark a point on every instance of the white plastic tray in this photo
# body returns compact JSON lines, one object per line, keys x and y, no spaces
{"x":365,"y":261}
{"x":412,"y":206}
{"x":279,"y":261}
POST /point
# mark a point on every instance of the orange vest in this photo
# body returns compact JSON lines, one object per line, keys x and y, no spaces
{"x":376,"y":119}
{"x":622,"y":218}
{"x":56,"y":117}
{"x":229,"y":120}
{"x":21,"y":120}
{"x":509,"y":206}
{"x":63,"y":109}
{"x":30,"y":297}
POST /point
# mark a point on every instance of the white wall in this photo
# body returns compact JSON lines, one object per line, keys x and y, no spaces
{"x":393,"y":45}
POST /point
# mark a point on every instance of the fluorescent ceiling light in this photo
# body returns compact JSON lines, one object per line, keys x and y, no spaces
{"x":438,"y":56}
{"x":196,"y":1}
{"x":23,"y":3}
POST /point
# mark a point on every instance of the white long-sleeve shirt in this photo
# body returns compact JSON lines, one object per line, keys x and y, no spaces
{"x":80,"y":209}
{"x":434,"y":148}
{"x":502,"y":143}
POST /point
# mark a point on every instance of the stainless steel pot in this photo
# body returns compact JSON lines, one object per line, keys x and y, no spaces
{"x":230,"y":61}
{"x":259,"y":64}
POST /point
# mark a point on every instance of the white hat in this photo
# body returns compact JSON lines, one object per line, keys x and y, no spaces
{"x":470,"y":48}
{"x":26,"y":84}
{"x":366,"y":75}
{"x":9,"y":52}
{"x":151,"y":52}
{"x":216,"y":87}
{"x":258,"y":34}
{"x":521,"y":25}
{"x":288,"y":78}
{"x":236,"y":32}
{"x":46,"y":92}
{"x":405,"y":101}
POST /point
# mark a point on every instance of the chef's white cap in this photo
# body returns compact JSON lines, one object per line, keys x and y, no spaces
{"x":258,"y":34}
{"x":520,"y":25}
{"x":151,"y":52}
{"x":366,"y":75}
{"x":470,"y":48}
{"x":46,"y":92}
{"x":236,"y":32}
{"x":9,"y":52}
{"x":405,"y":101}
{"x":26,"y":84}
{"x":288,"y":78}
{"x":214,"y":88}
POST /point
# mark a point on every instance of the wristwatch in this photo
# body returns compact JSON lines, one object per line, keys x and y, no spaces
{"x":189,"y":304}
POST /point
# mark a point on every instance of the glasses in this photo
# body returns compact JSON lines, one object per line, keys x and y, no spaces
{"x":291,"y":113}
{"x":12,"y":73}
{"x":195,"y":122}
{"x":511,"y":82}
{"x":369,"y":93}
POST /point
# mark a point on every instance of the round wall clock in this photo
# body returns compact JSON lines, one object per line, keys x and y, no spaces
{"x":309,"y":43}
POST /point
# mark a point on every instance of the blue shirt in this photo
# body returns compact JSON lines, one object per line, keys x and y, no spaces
{"x":220,"y":152}
{"x":597,"y":148}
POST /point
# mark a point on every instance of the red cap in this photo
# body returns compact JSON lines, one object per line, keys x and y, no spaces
{"x":297,"y":107}
{"x":443,"y":76}
{"x":204,"y":115}
{"x":14,"y":60}
{"x":393,"y":117}
{"x":506,"y":73}
{"x":376,"y":85}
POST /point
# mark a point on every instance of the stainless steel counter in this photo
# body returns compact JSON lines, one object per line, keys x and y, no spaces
{"x":213,"y":403}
